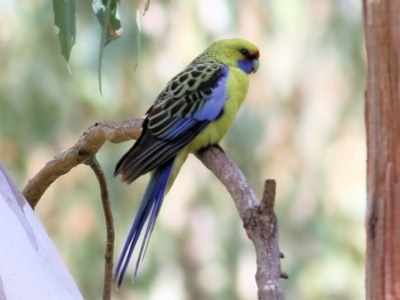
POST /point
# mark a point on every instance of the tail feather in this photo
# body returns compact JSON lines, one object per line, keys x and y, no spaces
{"x":148,"y":211}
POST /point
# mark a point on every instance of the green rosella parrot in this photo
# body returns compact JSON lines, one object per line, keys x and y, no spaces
{"x":193,"y":112}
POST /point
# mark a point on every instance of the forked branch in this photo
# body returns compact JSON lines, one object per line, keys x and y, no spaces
{"x":258,"y":218}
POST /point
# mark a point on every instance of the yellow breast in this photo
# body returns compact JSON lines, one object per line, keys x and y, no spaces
{"x":236,"y":90}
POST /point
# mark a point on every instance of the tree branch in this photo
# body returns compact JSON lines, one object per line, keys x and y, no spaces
{"x":382,"y":110}
{"x":84,"y":150}
{"x":259,"y":219}
{"x":105,"y":199}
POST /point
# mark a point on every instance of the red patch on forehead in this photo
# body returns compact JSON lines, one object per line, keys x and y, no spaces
{"x":257,"y":54}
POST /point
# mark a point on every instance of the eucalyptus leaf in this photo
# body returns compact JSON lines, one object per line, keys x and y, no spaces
{"x":147,"y":6}
{"x":64,"y":19}
{"x":107,"y":15}
{"x":111,"y":20}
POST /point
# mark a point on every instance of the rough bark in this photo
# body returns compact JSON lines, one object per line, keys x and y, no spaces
{"x":382,"y":113}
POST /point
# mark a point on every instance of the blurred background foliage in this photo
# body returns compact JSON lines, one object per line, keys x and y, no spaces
{"x":302,"y":124}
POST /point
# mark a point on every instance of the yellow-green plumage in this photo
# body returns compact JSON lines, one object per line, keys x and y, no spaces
{"x":237,"y":86}
{"x":193,"y":112}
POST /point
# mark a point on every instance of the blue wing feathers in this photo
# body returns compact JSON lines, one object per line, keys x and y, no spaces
{"x":152,"y":152}
{"x":213,"y":107}
{"x":180,"y":126}
{"x":148,"y":211}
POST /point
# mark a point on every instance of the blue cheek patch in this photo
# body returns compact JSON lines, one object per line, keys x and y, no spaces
{"x":245,"y":65}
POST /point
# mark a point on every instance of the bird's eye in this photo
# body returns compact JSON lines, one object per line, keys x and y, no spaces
{"x":245,"y":52}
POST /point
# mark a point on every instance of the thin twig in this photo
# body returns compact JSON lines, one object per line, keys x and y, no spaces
{"x":268,"y":200}
{"x":105,"y":199}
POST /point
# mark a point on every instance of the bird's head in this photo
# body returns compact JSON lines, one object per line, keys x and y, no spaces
{"x":235,"y":53}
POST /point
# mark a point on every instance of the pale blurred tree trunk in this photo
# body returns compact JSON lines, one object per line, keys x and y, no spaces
{"x":382,"y":112}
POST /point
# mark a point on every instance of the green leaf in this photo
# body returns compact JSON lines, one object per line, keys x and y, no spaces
{"x":64,"y":19}
{"x":107,"y":15}
{"x":110,"y":18}
{"x":147,"y":6}
{"x":138,"y":35}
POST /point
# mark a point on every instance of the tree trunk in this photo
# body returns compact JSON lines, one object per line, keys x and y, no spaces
{"x":382,"y":113}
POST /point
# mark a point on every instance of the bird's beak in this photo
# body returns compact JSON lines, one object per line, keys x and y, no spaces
{"x":256,"y":64}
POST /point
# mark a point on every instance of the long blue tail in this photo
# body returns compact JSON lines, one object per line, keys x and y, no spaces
{"x":148,"y":210}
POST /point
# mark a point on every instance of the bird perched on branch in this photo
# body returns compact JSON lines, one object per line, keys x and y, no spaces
{"x":193,"y":112}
